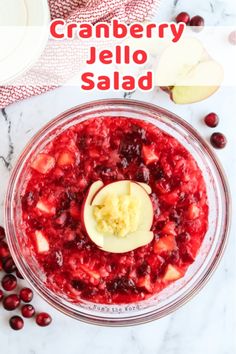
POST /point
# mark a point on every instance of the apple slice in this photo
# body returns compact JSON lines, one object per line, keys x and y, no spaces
{"x":113,"y":243}
{"x":42,"y":243}
{"x":147,"y":188}
{"x":45,"y":207}
{"x":66,"y":158}
{"x":165,"y":244}
{"x":200,"y":83}
{"x":149,"y":154}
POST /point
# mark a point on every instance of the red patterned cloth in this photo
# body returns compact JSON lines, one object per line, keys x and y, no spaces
{"x":83,"y":11}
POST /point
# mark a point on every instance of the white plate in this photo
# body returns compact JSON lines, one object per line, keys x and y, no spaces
{"x":23,"y":35}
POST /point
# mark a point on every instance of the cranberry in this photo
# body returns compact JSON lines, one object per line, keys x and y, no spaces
{"x":183,"y":17}
{"x":18,"y":274}
{"x":2,"y":233}
{"x":11,"y":302}
{"x":4,"y":250}
{"x":9,"y":282}
{"x":28,"y":311}
{"x":0,"y":265}
{"x":16,"y":323}
{"x":1,"y":295}
{"x":122,"y":285}
{"x":43,"y":319}
{"x":183,"y":237}
{"x":232,"y":38}
{"x":143,"y":269}
{"x":26,"y":294}
{"x":218,"y":140}
{"x":78,"y":284}
{"x":212,"y":120}
{"x":9,"y":265}
{"x":197,"y":21}
{"x":143,"y":174}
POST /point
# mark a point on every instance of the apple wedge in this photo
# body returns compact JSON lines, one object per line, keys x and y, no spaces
{"x":96,"y":198}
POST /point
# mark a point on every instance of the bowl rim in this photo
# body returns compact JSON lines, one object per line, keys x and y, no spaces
{"x":152,"y":315}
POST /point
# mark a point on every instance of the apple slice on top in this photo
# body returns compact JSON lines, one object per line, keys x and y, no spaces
{"x":118,"y":216}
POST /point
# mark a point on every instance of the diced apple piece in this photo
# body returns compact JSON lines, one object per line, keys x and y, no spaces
{"x":165,"y":244}
{"x":193,"y":212}
{"x":149,"y":154}
{"x":169,"y":228}
{"x":145,"y":282}
{"x":90,"y":272}
{"x":42,"y":243}
{"x":66,"y":158}
{"x":43,"y":163}
{"x":172,"y":273}
{"x":45,"y":207}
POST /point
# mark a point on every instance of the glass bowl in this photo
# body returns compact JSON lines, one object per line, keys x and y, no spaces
{"x":179,"y":292}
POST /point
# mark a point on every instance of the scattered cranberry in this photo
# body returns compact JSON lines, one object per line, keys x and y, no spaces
{"x":18,"y":274}
{"x":16,"y":323}
{"x":232,"y":38}
{"x":11,"y":302}
{"x":2,"y":233}
{"x":4,"y":250}
{"x":1,"y":295}
{"x":9,"y":265}
{"x":197,"y":21}
{"x":0,"y":265}
{"x":212,"y":120}
{"x":28,"y":311}
{"x":43,"y":319}
{"x":26,"y":294}
{"x":218,"y":140}
{"x":9,"y":282}
{"x":183,"y":17}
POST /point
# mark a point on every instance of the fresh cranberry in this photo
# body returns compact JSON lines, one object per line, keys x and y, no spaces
{"x":16,"y":323}
{"x":1,"y":267}
{"x":1,"y":295}
{"x":9,"y":265}
{"x":2,"y":233}
{"x":218,"y":140}
{"x":18,"y":274}
{"x":9,"y":282}
{"x":11,"y":302}
{"x":183,"y":237}
{"x":197,"y":21}
{"x":183,"y":17}
{"x":232,"y":38}
{"x":28,"y":311}
{"x":212,"y":120}
{"x":4,"y":250}
{"x":26,"y":294}
{"x":43,"y":319}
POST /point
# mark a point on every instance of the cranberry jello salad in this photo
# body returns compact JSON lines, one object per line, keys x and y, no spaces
{"x":114,"y":210}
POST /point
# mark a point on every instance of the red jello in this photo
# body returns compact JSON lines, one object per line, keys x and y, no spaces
{"x":111,"y":149}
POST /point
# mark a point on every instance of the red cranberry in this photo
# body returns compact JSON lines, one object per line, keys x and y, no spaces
{"x":232,"y":38}
{"x":218,"y":140}
{"x":2,"y":233}
{"x":28,"y":311}
{"x":4,"y":250}
{"x":16,"y":323}
{"x":0,"y":265}
{"x":9,"y":282}
{"x":43,"y":319}
{"x":26,"y":294}
{"x":197,"y":21}
{"x":9,"y":265}
{"x":183,"y":17}
{"x":18,"y":274}
{"x":212,"y":120}
{"x":1,"y":295}
{"x":11,"y":302}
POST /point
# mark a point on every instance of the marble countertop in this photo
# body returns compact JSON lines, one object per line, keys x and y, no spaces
{"x":207,"y":323}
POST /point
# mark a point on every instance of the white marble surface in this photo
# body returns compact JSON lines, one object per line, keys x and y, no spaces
{"x":206,"y":324}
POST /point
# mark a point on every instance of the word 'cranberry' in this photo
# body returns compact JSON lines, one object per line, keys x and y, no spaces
{"x":26,"y":294}
{"x":16,"y":323}
{"x":212,"y":120}
{"x":43,"y":319}
{"x":218,"y":140}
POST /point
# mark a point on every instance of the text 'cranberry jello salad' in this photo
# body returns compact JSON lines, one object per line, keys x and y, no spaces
{"x":114,"y":210}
